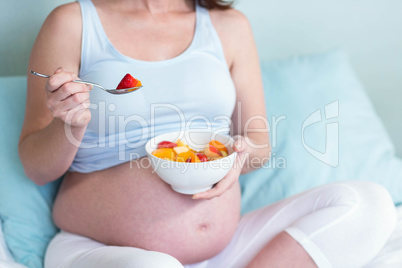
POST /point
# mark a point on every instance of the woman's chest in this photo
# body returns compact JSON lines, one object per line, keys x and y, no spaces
{"x":194,"y":90}
{"x":147,"y":37}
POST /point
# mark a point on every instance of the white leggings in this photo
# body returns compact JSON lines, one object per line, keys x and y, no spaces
{"x":339,"y":225}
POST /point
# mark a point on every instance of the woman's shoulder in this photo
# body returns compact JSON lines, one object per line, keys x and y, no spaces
{"x":59,"y":40}
{"x":231,"y":25}
{"x":230,"y":20}
{"x":67,"y":13}
{"x":65,"y":17}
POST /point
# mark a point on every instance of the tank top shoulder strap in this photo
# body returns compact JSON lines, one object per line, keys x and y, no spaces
{"x":94,"y":41}
{"x":208,"y":37}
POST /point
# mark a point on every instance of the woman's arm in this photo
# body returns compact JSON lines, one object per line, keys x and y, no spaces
{"x":249,"y":123}
{"x":249,"y":117}
{"x":45,"y":151}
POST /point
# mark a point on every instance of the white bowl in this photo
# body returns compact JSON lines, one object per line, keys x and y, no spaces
{"x":191,"y":178}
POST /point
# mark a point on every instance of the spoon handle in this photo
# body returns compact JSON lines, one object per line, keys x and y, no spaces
{"x":41,"y":75}
{"x":89,"y":83}
{"x":76,"y":81}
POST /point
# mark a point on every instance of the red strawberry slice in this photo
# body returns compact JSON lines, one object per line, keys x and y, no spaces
{"x":214,"y":150}
{"x":166,"y":144}
{"x":202,"y":157}
{"x":127,"y":82}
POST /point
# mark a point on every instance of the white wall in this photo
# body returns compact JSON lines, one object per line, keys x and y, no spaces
{"x":370,"y":31}
{"x":20,"y":21}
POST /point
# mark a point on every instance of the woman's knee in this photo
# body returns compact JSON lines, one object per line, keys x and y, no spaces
{"x":361,"y":211}
{"x":368,"y":202}
{"x":372,"y":208}
{"x":378,"y":201}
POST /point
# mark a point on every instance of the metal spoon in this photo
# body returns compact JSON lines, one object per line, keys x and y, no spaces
{"x":111,"y":91}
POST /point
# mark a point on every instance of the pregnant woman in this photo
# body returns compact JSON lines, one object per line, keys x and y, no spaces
{"x":199,"y":67}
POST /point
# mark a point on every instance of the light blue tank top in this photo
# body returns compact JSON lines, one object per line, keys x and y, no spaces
{"x":192,"y":90}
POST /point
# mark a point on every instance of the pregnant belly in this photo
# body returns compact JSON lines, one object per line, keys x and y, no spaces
{"x":130,"y":206}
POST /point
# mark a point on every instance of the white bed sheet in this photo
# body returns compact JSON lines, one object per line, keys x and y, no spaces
{"x":389,"y":257}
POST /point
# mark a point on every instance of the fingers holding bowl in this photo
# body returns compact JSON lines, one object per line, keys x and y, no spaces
{"x":231,"y":178}
{"x":221,"y":187}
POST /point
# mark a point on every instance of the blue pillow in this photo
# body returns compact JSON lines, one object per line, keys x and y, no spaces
{"x":323,"y":129}
{"x":25,"y":208}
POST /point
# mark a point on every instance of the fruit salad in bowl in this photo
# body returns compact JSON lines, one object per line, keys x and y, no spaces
{"x":190,"y":161}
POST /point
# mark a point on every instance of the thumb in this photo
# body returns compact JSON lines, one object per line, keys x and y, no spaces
{"x":240,"y":144}
{"x":58,"y":70}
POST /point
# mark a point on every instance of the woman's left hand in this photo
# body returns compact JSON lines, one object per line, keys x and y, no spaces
{"x":240,"y":146}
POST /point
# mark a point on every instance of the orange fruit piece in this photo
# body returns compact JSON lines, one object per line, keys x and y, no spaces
{"x":181,"y":143}
{"x":165,"y":153}
{"x":218,"y":146}
{"x":188,"y":156}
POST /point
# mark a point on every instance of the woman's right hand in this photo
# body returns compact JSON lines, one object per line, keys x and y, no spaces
{"x":67,"y":100}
